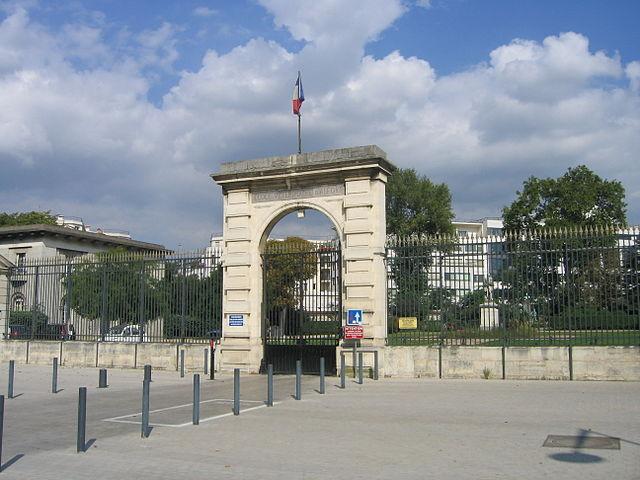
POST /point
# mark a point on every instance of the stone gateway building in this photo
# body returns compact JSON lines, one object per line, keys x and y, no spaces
{"x":348,"y":186}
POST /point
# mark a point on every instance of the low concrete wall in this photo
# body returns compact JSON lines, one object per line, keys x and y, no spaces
{"x":17,"y":350}
{"x":159,"y":355}
{"x":606,"y":363}
{"x":79,"y":354}
{"x":537,"y":363}
{"x":43,"y":353}
{"x":461,"y":362}
{"x":122,"y":355}
{"x":520,"y":363}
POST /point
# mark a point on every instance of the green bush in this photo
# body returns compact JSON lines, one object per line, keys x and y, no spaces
{"x":35,"y":322}
{"x":592,"y":318}
{"x":325,"y":327}
{"x":194,"y":327}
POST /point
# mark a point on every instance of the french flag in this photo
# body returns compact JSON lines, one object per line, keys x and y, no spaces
{"x":298,"y":95}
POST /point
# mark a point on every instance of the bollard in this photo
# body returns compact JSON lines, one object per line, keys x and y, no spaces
{"x":102,"y":378}
{"x":504,"y":371}
{"x":360,"y":368}
{"x":212,"y":370}
{"x":321,"y":375}
{"x":353,"y":360}
{"x":1,"y":427}
{"x":181,"y":363}
{"x":298,"y":394}
{"x":147,"y":373}
{"x":82,"y":419}
{"x":145,"y":409}
{"x":376,"y":375}
{"x":196,"y":399}
{"x":236,"y":391}
{"x":570,"y":362}
{"x":206,"y":361}
{"x":270,"y":385}
{"x":12,"y":371}
{"x":342,"y":372}
{"x":54,"y":376}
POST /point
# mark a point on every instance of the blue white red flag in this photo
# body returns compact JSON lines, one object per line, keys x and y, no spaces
{"x":298,"y":96}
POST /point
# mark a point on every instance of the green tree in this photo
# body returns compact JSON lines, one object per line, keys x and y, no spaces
{"x":26,"y":218}
{"x":289,"y":263}
{"x":578,"y":198}
{"x":415,"y":205}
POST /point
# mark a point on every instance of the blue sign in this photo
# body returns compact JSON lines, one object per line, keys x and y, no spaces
{"x":354,"y":317}
{"x":236,"y":320}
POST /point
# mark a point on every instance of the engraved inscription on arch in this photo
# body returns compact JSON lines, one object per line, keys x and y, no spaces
{"x":297,"y":193}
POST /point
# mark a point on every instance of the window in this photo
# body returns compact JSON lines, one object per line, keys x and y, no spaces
{"x":18,"y":302}
{"x":463,"y":233}
{"x":478,"y":278}
{"x":456,"y":277}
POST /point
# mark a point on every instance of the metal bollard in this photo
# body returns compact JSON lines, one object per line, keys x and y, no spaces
{"x":102,"y":378}
{"x":360,"y":368}
{"x":196,"y":399}
{"x":82,"y":420}
{"x":12,"y":371}
{"x":1,"y":427}
{"x":236,"y":391}
{"x":321,"y":375}
{"x":54,"y":376}
{"x":375,"y":365}
{"x":343,"y":383}
{"x":206,"y":361}
{"x":270,"y":385}
{"x":298,"y":395}
{"x":147,"y":373}
{"x":145,"y":409}
{"x":181,"y":363}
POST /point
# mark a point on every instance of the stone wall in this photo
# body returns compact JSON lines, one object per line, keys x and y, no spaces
{"x":520,"y":363}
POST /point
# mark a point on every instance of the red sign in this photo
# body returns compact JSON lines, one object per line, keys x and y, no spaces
{"x":353,"y":332}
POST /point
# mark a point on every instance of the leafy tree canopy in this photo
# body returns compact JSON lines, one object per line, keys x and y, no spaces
{"x":416,"y":205}
{"x":26,"y":218}
{"x":578,"y":198}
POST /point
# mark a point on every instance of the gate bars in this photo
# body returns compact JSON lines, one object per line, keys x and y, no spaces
{"x":547,"y":287}
{"x":121,"y":297}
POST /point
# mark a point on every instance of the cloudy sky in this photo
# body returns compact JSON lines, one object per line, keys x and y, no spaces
{"x":117,"y":111}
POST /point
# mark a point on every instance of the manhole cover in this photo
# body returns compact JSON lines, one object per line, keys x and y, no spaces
{"x":577,"y":441}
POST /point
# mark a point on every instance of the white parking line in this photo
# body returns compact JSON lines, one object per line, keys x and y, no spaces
{"x":121,"y":419}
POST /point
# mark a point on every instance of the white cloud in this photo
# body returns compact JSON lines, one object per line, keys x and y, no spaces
{"x":86,"y":141}
{"x":203,"y":11}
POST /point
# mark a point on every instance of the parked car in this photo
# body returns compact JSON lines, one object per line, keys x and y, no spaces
{"x":126,"y":333}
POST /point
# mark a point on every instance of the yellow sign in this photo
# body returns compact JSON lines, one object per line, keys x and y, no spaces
{"x":407,"y":323}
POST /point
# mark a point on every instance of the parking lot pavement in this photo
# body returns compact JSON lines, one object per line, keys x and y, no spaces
{"x":385,"y":429}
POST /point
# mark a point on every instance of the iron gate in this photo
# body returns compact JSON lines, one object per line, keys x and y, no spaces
{"x":302,"y":304}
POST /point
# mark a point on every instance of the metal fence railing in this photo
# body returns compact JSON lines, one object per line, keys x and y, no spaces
{"x":120,"y":297}
{"x":547,"y":287}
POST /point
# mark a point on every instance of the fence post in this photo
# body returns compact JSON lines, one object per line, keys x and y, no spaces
{"x":570,"y":362}
{"x":270,"y":385}
{"x":196,"y":399}
{"x":1,"y":427}
{"x":12,"y":370}
{"x":236,"y":391}
{"x":54,"y":376}
{"x":82,"y":420}
{"x":34,"y":308}
{"x":321,"y":375}
{"x":376,"y":374}
{"x":298,"y":394}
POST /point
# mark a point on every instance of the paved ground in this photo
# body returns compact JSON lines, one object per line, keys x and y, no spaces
{"x":385,"y":429}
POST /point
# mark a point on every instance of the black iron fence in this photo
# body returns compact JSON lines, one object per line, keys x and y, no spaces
{"x":547,"y":287}
{"x":116,"y":297}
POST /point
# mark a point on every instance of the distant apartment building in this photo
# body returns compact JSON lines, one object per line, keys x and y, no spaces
{"x":24,"y":287}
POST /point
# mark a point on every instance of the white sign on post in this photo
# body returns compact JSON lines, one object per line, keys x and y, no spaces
{"x":236,"y":320}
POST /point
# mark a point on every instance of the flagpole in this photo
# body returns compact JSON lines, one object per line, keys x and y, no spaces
{"x":299,"y":137}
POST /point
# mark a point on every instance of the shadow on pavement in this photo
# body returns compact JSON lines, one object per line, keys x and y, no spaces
{"x":11,"y":461}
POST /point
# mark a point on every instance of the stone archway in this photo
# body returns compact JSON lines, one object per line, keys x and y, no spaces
{"x":348,"y":186}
